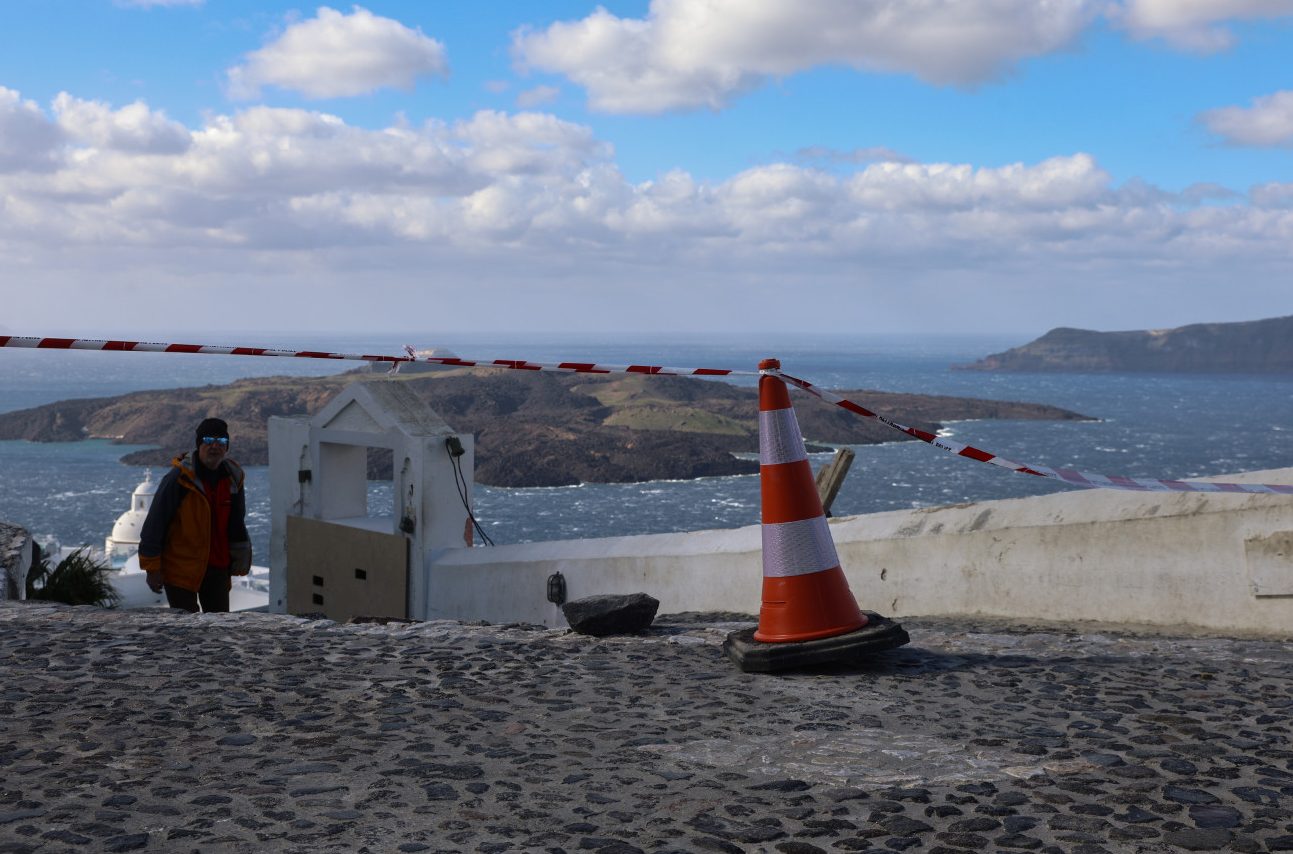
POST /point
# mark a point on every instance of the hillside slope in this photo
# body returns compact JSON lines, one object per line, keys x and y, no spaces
{"x":1259,"y":347}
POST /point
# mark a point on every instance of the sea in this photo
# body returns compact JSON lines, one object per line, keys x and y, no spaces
{"x":1149,"y":425}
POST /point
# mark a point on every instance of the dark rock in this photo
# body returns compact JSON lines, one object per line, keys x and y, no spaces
{"x":440,"y":792}
{"x":1184,"y":767}
{"x":127,"y":842}
{"x":1188,"y":796}
{"x":343,"y":815}
{"x":1199,"y":839}
{"x":611,"y":614}
{"x":781,"y":786}
{"x":1133,"y":831}
{"x":1080,"y":823}
{"x":849,"y":794}
{"x":1257,"y":795}
{"x":920,"y":796}
{"x":454,"y":771}
{"x":1204,"y":815}
{"x":240,"y":739}
{"x":942,"y":811}
{"x":306,"y":791}
{"x":965,"y":840}
{"x":793,"y":847}
{"x":756,"y":833}
{"x":1136,"y":815}
{"x":900,"y":825}
{"x":618,"y":847}
{"x":66,"y":836}
{"x":977,"y":788}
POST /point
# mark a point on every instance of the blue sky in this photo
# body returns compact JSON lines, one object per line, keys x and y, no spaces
{"x":781,"y":165}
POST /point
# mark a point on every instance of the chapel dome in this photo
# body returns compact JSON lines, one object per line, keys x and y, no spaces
{"x":130,"y":524}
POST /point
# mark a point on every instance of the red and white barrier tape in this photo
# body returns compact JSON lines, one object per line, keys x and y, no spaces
{"x":1072,"y":477}
{"x":512,"y":364}
{"x":1089,"y":480}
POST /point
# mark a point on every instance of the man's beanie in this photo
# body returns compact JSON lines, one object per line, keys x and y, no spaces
{"x":211,"y":427}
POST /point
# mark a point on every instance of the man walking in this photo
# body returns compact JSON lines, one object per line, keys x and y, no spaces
{"x":195,"y":535}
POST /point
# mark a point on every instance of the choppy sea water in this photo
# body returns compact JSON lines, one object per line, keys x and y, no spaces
{"x":1152,"y":425}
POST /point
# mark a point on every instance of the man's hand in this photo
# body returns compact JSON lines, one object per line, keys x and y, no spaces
{"x":239,"y":558}
{"x":155,"y":580}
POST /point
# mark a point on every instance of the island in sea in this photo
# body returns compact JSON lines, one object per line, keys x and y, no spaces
{"x":532,"y":429}
{"x":1252,"y":347}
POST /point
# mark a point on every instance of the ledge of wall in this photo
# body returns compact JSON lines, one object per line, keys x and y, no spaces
{"x":1210,"y":561}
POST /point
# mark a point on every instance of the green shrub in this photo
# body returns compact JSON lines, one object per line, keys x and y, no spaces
{"x":77,"y":580}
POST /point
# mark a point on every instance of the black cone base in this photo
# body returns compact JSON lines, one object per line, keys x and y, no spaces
{"x":880,"y":633}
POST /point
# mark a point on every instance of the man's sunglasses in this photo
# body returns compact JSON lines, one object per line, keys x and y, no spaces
{"x":223,"y":441}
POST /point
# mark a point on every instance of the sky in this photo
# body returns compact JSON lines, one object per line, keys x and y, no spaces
{"x":708,"y":166}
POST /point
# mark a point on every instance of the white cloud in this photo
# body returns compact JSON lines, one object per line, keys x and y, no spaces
{"x":520,"y":199}
{"x":1195,"y":24}
{"x":335,"y":55}
{"x":1268,"y":122}
{"x":528,"y":143}
{"x":1055,"y":184}
{"x":537,"y":97}
{"x":1273,"y":195}
{"x":132,"y":128}
{"x":687,"y":55}
{"x":28,"y":139}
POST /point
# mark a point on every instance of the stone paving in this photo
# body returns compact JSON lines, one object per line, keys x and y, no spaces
{"x":160,"y":731}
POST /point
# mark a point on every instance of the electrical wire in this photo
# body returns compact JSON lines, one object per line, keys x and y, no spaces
{"x":460,"y":481}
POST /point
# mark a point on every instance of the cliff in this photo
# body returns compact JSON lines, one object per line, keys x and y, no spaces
{"x":1259,"y":346}
{"x":532,"y":429}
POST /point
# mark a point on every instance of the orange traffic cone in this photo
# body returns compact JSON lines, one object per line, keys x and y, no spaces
{"x":808,"y":616}
{"x":805,"y":593}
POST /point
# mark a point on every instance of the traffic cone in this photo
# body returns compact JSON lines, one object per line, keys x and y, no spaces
{"x":809,"y":615}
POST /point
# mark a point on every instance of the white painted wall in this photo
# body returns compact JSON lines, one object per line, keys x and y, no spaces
{"x":1207,"y":561}
{"x":318,"y":471}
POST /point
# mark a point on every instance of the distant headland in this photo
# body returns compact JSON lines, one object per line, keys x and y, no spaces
{"x":1253,"y":347}
{"x":532,"y":429}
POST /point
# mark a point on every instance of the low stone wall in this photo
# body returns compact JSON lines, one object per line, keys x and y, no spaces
{"x":16,"y":553}
{"x":1218,"y":562}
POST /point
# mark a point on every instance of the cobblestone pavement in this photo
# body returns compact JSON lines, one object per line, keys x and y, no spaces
{"x":160,"y":731}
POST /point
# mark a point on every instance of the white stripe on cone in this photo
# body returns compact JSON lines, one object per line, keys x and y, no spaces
{"x":779,"y":438}
{"x":798,"y":548}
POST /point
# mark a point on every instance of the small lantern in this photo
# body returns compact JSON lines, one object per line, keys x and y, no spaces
{"x":557,"y":589}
